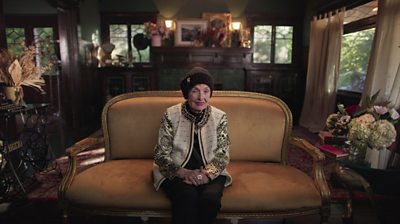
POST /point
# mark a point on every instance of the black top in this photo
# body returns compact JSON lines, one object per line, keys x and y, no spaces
{"x":195,"y":161}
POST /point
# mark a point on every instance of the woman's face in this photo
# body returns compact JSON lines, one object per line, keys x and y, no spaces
{"x":198,"y":97}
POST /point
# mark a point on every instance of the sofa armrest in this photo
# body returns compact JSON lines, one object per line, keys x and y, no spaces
{"x":318,"y":171}
{"x":83,"y":144}
{"x":72,"y":153}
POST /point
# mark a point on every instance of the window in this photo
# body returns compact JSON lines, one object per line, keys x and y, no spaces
{"x":120,"y":30}
{"x":15,"y":40}
{"x":23,"y":31}
{"x":354,"y":57}
{"x":273,"y":44}
{"x":120,"y":38}
{"x":359,"y":30}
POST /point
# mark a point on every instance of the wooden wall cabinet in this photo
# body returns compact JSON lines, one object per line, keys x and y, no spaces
{"x":180,"y":57}
{"x":168,"y":64}
{"x":282,"y":83}
{"x":118,"y":80}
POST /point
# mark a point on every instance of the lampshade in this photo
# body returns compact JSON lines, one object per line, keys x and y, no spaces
{"x":168,"y":23}
{"x":236,"y":25}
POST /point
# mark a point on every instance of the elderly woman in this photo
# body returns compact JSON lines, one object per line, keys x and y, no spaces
{"x":192,"y":153}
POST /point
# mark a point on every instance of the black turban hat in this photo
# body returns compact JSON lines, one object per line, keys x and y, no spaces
{"x":196,"y":75}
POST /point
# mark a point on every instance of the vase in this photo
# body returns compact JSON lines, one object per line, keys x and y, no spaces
{"x":378,"y":158}
{"x":15,"y":94}
{"x":357,"y":153}
{"x":156,"y":41}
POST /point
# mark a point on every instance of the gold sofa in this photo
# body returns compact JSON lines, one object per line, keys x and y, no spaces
{"x":264,"y":185}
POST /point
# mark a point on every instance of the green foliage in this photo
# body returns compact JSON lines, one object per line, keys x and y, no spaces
{"x":355,"y":52}
{"x":283,"y":44}
{"x":263,"y":44}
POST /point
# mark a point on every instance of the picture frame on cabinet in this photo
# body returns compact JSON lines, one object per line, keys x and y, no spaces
{"x":219,"y":25}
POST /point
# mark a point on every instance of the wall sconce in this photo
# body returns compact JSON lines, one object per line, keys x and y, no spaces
{"x":235,"y":38}
{"x":168,"y":23}
{"x":236,"y":25}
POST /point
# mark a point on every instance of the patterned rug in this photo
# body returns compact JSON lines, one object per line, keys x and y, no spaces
{"x":50,"y":178}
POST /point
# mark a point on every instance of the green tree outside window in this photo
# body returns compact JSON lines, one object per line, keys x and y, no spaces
{"x":354,"y":57}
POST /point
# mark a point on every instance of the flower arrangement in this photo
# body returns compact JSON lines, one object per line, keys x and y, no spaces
{"x":151,"y":29}
{"x":17,"y":71}
{"x":370,"y":126}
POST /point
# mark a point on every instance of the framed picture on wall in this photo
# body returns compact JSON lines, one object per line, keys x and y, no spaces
{"x":189,"y":31}
{"x":220,"y":25}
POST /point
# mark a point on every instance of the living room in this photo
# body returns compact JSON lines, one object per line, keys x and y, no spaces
{"x":99,"y":49}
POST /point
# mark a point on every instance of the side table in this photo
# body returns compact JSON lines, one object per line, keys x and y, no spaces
{"x":358,"y":175}
{"x":352,"y":181}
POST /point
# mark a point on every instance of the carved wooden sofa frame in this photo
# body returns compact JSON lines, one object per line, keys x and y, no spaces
{"x":264,"y":185}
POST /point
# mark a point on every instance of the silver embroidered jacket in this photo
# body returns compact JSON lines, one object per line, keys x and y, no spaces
{"x":175,"y":144}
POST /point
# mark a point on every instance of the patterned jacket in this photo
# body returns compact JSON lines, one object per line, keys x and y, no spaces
{"x":175,"y":144}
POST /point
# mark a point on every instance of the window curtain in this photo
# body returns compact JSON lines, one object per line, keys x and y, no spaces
{"x":323,"y":70}
{"x":384,"y":66}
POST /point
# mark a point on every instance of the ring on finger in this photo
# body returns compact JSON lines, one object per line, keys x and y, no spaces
{"x":199,"y":177}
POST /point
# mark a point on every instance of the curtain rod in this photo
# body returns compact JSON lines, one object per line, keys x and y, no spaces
{"x":329,"y":14}
{"x":337,"y":4}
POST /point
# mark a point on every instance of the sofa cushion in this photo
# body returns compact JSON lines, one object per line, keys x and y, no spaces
{"x":118,"y":184}
{"x":259,"y":186}
{"x":268,"y":187}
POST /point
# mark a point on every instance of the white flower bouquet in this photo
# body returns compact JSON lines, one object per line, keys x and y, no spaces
{"x":370,"y":126}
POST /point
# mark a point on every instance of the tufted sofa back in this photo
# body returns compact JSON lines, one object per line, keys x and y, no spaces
{"x":259,"y":125}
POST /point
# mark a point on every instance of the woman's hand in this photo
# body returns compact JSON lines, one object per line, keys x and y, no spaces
{"x":194,"y":177}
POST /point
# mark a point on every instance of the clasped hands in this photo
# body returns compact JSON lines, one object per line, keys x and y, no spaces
{"x":194,"y":177}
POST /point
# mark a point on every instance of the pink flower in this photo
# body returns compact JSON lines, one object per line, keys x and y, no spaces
{"x":344,"y":120}
{"x":381,"y":110}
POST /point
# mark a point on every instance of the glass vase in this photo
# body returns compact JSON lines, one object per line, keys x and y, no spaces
{"x":357,"y":152}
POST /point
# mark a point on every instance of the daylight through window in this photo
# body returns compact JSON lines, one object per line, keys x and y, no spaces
{"x":354,"y":57}
{"x":119,"y":36}
{"x":273,"y":44}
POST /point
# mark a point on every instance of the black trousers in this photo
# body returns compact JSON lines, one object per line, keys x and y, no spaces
{"x":194,"y":205}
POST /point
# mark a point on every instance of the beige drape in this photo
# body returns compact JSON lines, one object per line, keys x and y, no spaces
{"x":323,"y":71}
{"x":384,"y":65}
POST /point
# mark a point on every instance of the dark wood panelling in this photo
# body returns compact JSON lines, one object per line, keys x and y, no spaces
{"x":117,"y":80}
{"x":70,"y":75}
{"x":186,"y":57}
{"x":348,"y":98}
{"x":282,"y":83}
{"x":3,"y":41}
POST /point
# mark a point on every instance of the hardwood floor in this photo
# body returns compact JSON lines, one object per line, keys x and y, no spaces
{"x":49,"y":213}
